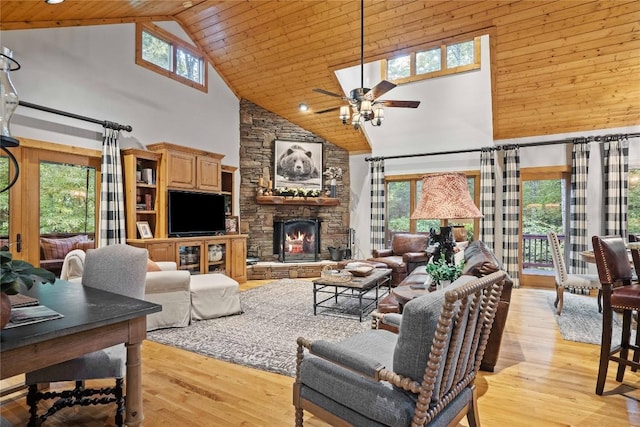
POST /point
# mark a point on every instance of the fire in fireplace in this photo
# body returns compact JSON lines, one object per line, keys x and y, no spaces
{"x":297,"y":239}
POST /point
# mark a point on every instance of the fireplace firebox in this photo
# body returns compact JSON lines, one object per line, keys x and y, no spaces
{"x":296,"y":240}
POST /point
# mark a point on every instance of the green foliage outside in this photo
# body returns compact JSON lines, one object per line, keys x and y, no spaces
{"x":430,"y":60}
{"x":542,"y":206}
{"x":159,"y":52}
{"x":67,"y":198}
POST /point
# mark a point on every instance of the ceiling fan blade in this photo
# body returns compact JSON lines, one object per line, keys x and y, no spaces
{"x":326,"y":92}
{"x":401,"y":104}
{"x":380,"y":89}
{"x":328,"y":110}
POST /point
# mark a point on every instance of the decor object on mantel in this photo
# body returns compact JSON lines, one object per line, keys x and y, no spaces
{"x":15,"y":274}
{"x":333,"y":173}
{"x":296,"y":192}
{"x":364,"y":101}
{"x":445,"y":196}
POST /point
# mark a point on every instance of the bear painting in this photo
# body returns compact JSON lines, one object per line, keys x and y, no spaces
{"x":297,"y":164}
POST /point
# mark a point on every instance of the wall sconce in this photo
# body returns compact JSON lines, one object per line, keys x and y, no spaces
{"x":8,"y":104}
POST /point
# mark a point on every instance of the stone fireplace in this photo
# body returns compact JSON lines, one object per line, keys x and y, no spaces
{"x":297,"y":239}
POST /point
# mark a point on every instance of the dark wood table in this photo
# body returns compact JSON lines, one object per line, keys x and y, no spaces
{"x":93,"y":320}
{"x":356,"y":288}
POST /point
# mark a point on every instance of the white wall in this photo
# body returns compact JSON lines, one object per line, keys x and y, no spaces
{"x":91,"y":71}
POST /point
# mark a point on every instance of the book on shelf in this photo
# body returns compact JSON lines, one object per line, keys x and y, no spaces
{"x":147,"y":202}
{"x":32,"y":314}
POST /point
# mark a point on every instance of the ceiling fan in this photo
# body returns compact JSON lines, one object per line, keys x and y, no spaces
{"x":364,"y":102}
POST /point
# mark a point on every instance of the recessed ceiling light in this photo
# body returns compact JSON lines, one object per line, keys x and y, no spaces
{"x":303,"y":107}
{"x":186,"y":4}
{"x":53,"y":1}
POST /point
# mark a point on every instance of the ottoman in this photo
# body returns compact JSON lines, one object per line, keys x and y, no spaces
{"x":214,"y":295}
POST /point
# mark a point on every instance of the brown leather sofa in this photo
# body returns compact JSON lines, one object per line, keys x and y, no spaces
{"x":479,"y":261}
{"x":407,"y":252}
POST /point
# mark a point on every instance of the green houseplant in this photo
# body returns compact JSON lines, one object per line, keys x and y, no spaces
{"x":14,"y":275}
{"x":440,"y":270}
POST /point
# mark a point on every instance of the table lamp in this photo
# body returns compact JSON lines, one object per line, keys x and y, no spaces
{"x":445,"y":196}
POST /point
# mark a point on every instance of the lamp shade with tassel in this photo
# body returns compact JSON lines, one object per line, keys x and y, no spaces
{"x":445,"y":196}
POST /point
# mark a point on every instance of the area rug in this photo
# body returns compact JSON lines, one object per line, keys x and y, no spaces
{"x":264,"y":335}
{"x":580,"y":320}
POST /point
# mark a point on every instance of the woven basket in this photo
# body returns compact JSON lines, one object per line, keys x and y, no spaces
{"x":336,"y":276}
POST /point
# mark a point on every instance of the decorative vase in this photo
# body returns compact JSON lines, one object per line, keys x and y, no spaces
{"x":5,"y":310}
{"x":215,"y":253}
{"x":332,"y":188}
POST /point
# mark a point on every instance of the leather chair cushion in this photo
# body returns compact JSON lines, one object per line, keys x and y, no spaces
{"x":403,"y":243}
{"x":626,"y":297}
{"x":394,"y":262}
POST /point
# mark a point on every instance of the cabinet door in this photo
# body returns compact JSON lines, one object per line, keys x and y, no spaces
{"x":217,"y":259}
{"x":239,"y":260}
{"x":190,"y":256}
{"x":162,"y":251}
{"x":181,"y":170}
{"x":208,"y":176}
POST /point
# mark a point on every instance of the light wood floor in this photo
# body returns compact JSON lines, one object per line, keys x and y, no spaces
{"x":541,"y":380}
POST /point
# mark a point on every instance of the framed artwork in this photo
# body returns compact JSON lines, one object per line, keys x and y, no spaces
{"x":144,"y":230}
{"x":297,"y":165}
{"x":231,"y":225}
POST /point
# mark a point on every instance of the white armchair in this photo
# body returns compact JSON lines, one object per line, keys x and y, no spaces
{"x":169,"y":287}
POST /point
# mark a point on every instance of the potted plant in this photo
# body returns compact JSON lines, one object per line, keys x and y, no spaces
{"x":14,"y":275}
{"x":441,"y":271}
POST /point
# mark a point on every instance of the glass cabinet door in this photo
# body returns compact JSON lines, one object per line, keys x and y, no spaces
{"x":189,"y":257}
{"x":216,"y":254}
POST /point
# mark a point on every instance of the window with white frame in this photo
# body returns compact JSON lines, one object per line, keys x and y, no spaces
{"x":164,"y":53}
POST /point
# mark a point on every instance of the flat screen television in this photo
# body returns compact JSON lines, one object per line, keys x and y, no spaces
{"x":195,"y":214}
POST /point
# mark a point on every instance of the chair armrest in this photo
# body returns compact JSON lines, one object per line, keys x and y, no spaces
{"x":415,"y":257}
{"x":167,"y":281}
{"x":381,"y":253}
{"x":389,"y":319}
{"x":360,"y":364}
{"x":167,"y":265}
{"x":344,"y":357}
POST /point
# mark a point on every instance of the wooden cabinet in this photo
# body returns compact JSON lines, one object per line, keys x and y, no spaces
{"x":142,"y":198}
{"x":211,"y":254}
{"x":189,"y":168}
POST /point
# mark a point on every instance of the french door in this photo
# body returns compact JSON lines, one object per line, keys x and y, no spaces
{"x":544,"y":206}
{"x":46,"y":196}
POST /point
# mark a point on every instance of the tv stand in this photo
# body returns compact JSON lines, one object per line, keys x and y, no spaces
{"x":201,"y":254}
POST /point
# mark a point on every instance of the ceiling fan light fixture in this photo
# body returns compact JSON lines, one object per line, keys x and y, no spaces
{"x":366,"y":108}
{"x":344,"y":114}
{"x":378,"y":115}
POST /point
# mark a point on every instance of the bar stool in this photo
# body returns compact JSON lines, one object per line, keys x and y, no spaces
{"x":618,"y":293}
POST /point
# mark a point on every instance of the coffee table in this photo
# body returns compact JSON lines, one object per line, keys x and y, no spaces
{"x":356,"y":288}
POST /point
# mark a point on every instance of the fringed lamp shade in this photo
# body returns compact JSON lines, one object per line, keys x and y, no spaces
{"x":445,"y":196}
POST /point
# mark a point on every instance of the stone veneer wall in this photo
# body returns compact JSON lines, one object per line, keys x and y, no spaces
{"x":259,"y":129}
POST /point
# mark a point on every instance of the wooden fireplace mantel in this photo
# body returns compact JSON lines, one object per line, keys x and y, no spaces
{"x":289,"y":200}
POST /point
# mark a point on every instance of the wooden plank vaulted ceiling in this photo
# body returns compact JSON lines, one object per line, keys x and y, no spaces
{"x":558,"y":66}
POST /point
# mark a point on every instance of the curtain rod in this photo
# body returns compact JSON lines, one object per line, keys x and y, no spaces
{"x":103,"y":123}
{"x":579,"y":140}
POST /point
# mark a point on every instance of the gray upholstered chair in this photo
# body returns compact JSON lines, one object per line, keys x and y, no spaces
{"x":424,"y":375}
{"x":566,"y":280}
{"x":119,"y":269}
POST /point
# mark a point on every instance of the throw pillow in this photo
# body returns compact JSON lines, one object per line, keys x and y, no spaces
{"x":152,"y":266}
{"x":53,"y":248}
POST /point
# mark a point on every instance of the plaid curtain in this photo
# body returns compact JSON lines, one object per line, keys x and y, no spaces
{"x":616,"y":172}
{"x":112,"y":224}
{"x":377,"y":204}
{"x":488,"y":196}
{"x":578,"y":210}
{"x":511,"y":212}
